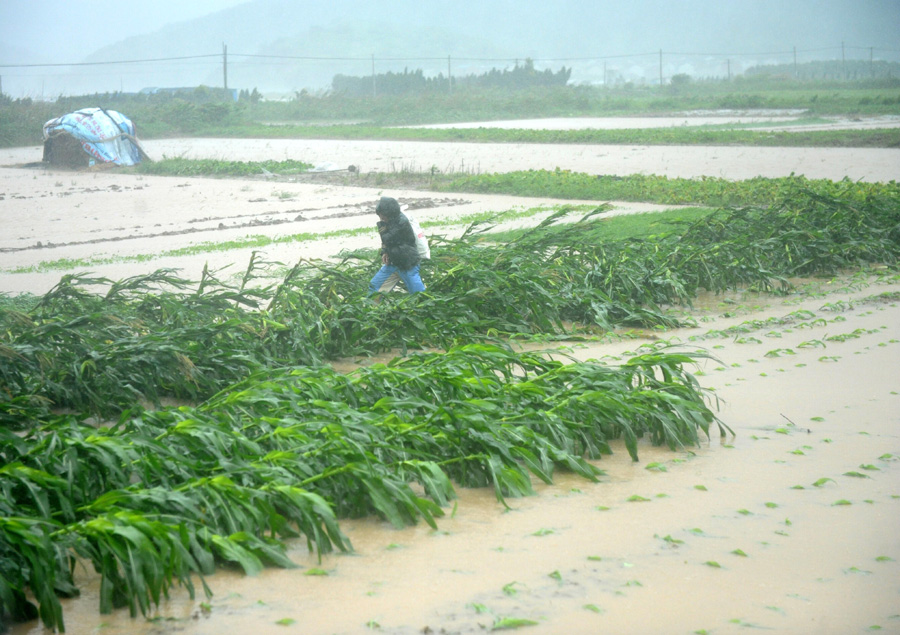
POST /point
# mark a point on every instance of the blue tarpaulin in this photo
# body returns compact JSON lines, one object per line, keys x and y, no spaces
{"x":107,"y":136}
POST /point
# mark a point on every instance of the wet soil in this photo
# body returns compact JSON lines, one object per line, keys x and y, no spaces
{"x":790,"y":525}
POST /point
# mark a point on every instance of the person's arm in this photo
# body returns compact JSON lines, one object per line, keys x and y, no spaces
{"x":382,"y":227}
{"x":392,"y":234}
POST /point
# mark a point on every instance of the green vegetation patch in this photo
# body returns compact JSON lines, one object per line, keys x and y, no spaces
{"x":708,"y":191}
{"x":215,"y":167}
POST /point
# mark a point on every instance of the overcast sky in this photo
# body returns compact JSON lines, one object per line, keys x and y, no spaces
{"x":58,"y":31}
{"x":702,"y":38}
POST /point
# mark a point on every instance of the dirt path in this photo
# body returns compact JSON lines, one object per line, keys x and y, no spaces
{"x":880,"y":164}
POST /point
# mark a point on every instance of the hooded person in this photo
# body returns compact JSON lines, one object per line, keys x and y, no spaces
{"x":421,"y":245}
{"x":398,"y":248}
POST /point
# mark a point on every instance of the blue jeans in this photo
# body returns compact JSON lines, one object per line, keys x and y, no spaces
{"x":410,"y":278}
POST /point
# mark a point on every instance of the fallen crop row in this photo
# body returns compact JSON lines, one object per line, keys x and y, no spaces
{"x":165,"y":495}
{"x":161,"y":335}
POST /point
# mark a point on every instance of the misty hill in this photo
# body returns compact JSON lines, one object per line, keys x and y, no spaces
{"x":596,"y":38}
{"x":423,"y":34}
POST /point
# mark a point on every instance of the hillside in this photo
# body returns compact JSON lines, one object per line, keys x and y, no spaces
{"x":280,"y":45}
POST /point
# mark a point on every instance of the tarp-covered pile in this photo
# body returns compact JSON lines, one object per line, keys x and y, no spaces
{"x":89,"y":136}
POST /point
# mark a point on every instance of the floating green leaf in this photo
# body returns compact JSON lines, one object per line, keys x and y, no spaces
{"x":508,"y":623}
{"x":672,"y":541}
{"x":315,"y":571}
{"x":510,"y":589}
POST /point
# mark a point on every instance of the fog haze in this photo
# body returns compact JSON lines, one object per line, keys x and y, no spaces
{"x":287,"y":46}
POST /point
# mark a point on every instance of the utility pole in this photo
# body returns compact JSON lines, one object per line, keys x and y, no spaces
{"x":449,"y":77}
{"x":843,"y":61}
{"x":660,"y":68}
{"x":729,"y":70}
{"x":795,"y":62}
{"x":871,"y":63}
{"x":374,"y":93}
{"x":225,"y":69}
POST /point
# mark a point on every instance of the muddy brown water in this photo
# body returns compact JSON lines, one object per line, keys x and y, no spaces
{"x":578,"y":557}
{"x":725,"y":541}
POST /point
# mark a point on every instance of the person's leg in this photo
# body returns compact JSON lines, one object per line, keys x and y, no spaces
{"x":392,"y":281}
{"x":412,"y":280}
{"x":379,"y":278}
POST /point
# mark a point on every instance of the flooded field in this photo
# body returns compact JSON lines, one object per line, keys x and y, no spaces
{"x":788,"y":526}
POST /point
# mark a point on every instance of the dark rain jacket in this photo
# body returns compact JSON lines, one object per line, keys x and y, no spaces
{"x":398,"y":241}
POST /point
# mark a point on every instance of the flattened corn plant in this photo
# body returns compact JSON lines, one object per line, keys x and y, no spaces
{"x":159,"y":335}
{"x":166,"y":495}
{"x":282,"y":447}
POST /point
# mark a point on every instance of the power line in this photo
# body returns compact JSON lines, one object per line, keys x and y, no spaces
{"x":441,"y":58}
{"x":156,"y":59}
{"x":317,"y":59}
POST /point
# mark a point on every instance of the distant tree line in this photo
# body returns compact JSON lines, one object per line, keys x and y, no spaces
{"x":160,"y":96}
{"x":408,"y":82}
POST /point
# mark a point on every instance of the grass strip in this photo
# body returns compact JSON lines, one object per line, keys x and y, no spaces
{"x":681,"y":135}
